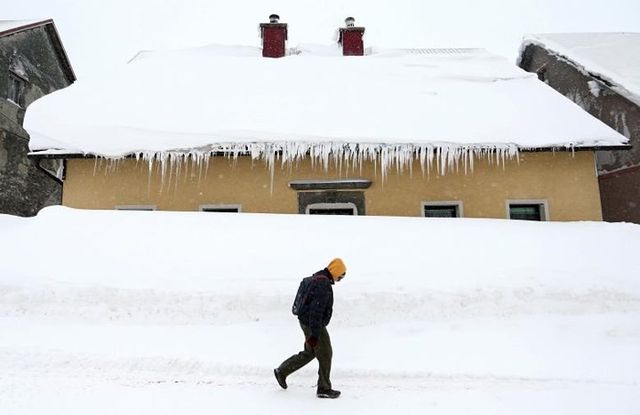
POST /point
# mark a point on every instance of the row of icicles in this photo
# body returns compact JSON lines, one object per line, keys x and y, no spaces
{"x":350,"y":157}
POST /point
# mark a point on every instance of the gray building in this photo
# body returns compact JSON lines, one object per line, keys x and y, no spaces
{"x":33,"y":63}
{"x":601,"y":73}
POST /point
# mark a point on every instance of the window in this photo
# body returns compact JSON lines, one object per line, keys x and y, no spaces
{"x":331,"y":209}
{"x":528,"y":210}
{"x":331,"y":197}
{"x":135,"y":207}
{"x":221,"y":208}
{"x":525,"y":212}
{"x":16,"y":89}
{"x":542,"y":74}
{"x":442,"y":209}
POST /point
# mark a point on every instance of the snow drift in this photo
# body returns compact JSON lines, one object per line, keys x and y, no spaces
{"x":161,"y":312}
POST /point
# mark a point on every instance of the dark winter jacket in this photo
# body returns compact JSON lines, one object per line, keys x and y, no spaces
{"x":318,"y":313}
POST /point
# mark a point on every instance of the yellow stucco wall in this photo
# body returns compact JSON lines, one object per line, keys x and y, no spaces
{"x":566,"y":181}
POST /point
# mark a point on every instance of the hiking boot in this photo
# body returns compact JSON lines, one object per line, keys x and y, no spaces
{"x":328,"y":393}
{"x":281,"y":379}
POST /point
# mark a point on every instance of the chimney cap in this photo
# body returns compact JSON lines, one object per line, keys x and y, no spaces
{"x":274,"y":18}
{"x":350,"y":21}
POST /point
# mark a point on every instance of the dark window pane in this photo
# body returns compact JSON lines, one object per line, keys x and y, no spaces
{"x":525,"y":212}
{"x":441,"y":211}
{"x":330,"y":211}
{"x":16,"y":87}
{"x":542,"y":74}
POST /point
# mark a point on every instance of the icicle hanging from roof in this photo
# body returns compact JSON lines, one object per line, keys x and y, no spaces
{"x":445,"y":157}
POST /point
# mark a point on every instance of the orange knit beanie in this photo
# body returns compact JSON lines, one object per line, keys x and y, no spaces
{"x":336,"y":268}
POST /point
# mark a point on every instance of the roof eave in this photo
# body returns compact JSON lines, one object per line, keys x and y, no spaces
{"x":76,"y":155}
{"x":66,"y":62}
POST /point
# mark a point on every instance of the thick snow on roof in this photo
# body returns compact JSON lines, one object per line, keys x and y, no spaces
{"x":224,"y":97}
{"x":49,"y":143}
{"x":614,"y":57}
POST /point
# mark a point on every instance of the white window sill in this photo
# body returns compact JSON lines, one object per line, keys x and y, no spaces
{"x":14,"y":103}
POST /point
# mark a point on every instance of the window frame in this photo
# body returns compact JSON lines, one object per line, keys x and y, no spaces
{"x":22,"y":86}
{"x":543,"y":203}
{"x":446,"y":203}
{"x":213,"y":206}
{"x":139,"y":208}
{"x":336,"y":205}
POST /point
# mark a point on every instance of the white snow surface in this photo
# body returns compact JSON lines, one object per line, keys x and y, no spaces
{"x":614,"y":57}
{"x":109,"y":312}
{"x":230,"y":98}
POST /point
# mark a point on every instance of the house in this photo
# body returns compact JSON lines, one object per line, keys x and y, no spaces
{"x":33,"y":63}
{"x":601,"y":73}
{"x":324,"y":129}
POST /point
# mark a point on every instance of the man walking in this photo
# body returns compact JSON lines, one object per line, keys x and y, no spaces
{"x":314,"y":315}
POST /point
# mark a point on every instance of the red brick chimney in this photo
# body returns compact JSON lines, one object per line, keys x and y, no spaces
{"x":274,"y":37}
{"x":351,"y":38}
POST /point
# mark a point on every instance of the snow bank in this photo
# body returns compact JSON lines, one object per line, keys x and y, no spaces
{"x":197,"y":251}
{"x":165,"y":312}
{"x":201,"y":265}
{"x":613,"y":57}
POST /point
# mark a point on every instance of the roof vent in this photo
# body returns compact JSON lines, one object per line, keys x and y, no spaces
{"x":274,"y":37}
{"x":351,"y":38}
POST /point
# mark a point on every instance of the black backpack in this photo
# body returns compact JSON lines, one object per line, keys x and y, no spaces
{"x":302,"y":296}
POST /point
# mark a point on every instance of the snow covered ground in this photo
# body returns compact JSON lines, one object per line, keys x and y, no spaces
{"x":109,"y":312}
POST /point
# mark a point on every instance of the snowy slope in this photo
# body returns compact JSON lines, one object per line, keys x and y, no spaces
{"x":614,"y":57}
{"x":165,"y":312}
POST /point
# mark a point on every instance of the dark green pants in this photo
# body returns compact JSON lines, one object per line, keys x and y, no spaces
{"x":323,"y":352}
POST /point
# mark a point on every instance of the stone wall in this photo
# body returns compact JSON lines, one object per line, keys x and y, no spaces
{"x":24,"y":189}
{"x":619,"y":191}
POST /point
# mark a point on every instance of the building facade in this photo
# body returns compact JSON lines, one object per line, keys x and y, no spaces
{"x":32,"y":64}
{"x":325,"y":129}
{"x":559,"y":186}
{"x":600,"y":96}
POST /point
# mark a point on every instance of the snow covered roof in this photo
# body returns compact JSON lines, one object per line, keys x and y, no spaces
{"x":229,"y":98}
{"x":614,"y":57}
